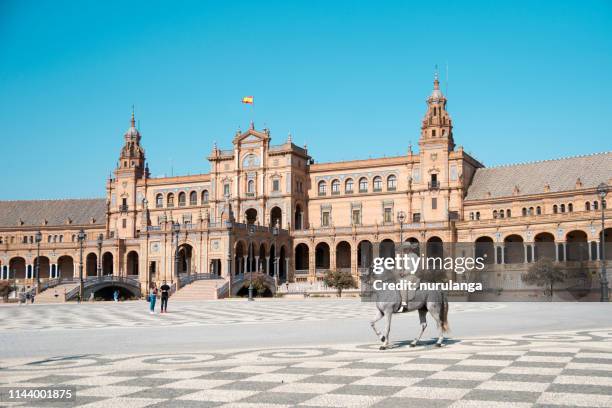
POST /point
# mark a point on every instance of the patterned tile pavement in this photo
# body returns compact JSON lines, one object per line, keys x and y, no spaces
{"x":134,"y":314}
{"x":559,"y":369}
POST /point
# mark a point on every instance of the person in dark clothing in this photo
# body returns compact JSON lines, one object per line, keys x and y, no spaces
{"x":165,"y":293}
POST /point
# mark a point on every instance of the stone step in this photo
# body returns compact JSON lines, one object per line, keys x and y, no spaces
{"x":199,"y":290}
{"x":48,"y":295}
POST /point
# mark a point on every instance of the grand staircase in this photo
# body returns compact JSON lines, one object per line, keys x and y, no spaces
{"x":48,"y":295}
{"x":204,"y":289}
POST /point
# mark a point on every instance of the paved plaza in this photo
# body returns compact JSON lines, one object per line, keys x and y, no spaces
{"x":338,"y":364}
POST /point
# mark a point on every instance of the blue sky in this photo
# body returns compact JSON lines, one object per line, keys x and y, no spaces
{"x":527,"y":81}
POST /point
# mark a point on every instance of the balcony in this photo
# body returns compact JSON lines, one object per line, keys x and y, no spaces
{"x":433,"y":185}
{"x":123,"y":208}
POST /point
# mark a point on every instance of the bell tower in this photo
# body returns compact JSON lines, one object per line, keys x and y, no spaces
{"x":437,"y":127}
{"x":132,"y":157}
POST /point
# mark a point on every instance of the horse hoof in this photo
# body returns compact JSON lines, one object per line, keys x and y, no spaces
{"x":383,"y":338}
{"x":382,"y":348}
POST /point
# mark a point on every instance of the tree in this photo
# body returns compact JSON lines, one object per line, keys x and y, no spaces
{"x":544,"y":273}
{"x":339,"y":280}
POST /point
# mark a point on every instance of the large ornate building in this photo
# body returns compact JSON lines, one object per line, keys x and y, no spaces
{"x":309,"y":217}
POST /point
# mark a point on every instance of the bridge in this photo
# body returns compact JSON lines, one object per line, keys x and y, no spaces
{"x":93,"y":285}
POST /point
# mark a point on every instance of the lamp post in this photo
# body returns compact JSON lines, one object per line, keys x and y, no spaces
{"x":38,"y":238}
{"x":275,"y":261}
{"x":99,"y":242}
{"x":401,"y":217}
{"x":602,"y":190}
{"x":176,"y":230}
{"x":81,"y":237}
{"x":251,"y":232}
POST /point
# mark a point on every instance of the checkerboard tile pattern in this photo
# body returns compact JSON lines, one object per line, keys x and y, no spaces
{"x":512,"y":372}
{"x":136,"y":314}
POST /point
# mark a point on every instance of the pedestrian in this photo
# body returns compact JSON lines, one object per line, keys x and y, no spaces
{"x":116,"y":295}
{"x":91,"y":297}
{"x":32,"y":296}
{"x":165,"y":293}
{"x":152,"y":298}
{"x":27,"y":296}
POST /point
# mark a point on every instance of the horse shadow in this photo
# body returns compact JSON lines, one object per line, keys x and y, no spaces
{"x":423,"y":344}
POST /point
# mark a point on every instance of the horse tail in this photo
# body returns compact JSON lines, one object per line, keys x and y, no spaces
{"x":444,"y":314}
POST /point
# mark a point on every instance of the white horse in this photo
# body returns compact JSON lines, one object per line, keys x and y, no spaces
{"x":389,"y":302}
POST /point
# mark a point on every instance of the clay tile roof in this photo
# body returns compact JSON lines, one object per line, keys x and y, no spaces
{"x":55,"y":212}
{"x":531,"y":178}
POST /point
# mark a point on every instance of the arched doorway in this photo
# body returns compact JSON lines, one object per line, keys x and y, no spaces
{"x":322,"y":256}
{"x":91,"y":265}
{"x":514,"y":249}
{"x":576,"y":246}
{"x":387,"y":249}
{"x":415,"y":246}
{"x":65,"y":267}
{"x":107,"y":263}
{"x":544,"y":244}
{"x":435,"y":247}
{"x":343,"y":256}
{"x":485,"y":249}
{"x":302,"y":258}
{"x":262,"y":266}
{"x":282,"y":267}
{"x":365,"y":254}
{"x":608,"y":240}
{"x":276,"y":215}
{"x":185,"y":255}
{"x":239,"y":258}
{"x":132,"y":263}
{"x":43,"y":267}
{"x":17,"y":268}
{"x":251,"y":216}
{"x":298,"y":222}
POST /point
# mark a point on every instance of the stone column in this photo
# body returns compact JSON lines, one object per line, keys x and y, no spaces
{"x":257,"y":264}
{"x":267,"y":266}
{"x":525,"y":253}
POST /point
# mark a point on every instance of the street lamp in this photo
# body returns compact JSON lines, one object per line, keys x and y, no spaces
{"x":176,"y":230}
{"x":38,"y":238}
{"x":401,"y":217}
{"x":81,"y":238}
{"x":275,"y":262}
{"x":251,"y":232}
{"x":602,"y":190}
{"x":99,"y":242}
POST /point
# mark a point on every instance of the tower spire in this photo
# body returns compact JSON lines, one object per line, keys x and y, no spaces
{"x":133,"y":121}
{"x":437,"y":125}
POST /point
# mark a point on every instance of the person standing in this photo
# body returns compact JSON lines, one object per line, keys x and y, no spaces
{"x":152,"y":298}
{"x":116,"y":295}
{"x":165,"y":293}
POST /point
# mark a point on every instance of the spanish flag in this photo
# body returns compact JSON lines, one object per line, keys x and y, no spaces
{"x":248,"y":100}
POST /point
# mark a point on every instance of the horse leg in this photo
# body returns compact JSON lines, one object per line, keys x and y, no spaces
{"x":385,"y":338}
{"x":379,"y":316}
{"x":423,"y":320}
{"x":434,"y":310}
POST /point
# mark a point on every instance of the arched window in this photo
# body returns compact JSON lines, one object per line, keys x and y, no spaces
{"x":391,"y":183}
{"x":348,"y":186}
{"x":562,"y":208}
{"x":524,"y":211}
{"x":494,"y":213}
{"x":555,"y":209}
{"x":335,"y":187}
{"x":49,"y":238}
{"x":530,"y":212}
{"x":377,"y":183}
{"x":595,"y":205}
{"x":159,"y":201}
{"x":538,"y":210}
{"x":501,"y":213}
{"x":182,"y":201}
{"x":61,"y":238}
{"x":193,"y":198}
{"x":471,"y":216}
{"x":251,"y":186}
{"x":322,"y":188}
{"x":477,"y":215}
{"x":570,"y":207}
{"x":170,"y":200}
{"x":587,"y":206}
{"x":363,"y":185}
{"x":204,"y":196}
{"x":508,"y":213}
